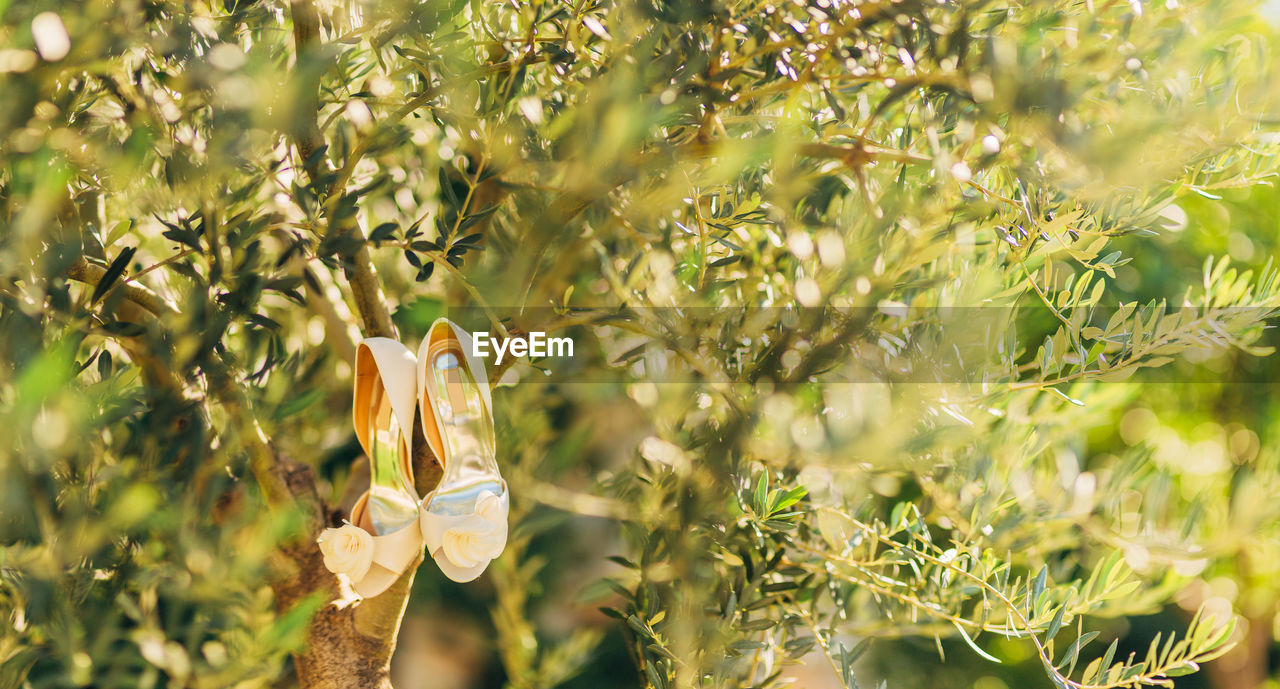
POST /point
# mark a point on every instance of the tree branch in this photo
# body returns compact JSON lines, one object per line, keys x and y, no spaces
{"x":306,"y":33}
{"x":375,"y":318}
{"x":91,"y":273}
{"x":262,"y":456}
{"x":366,"y":289}
{"x":349,"y":642}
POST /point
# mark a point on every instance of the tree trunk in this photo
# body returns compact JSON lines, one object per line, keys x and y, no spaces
{"x":349,"y":641}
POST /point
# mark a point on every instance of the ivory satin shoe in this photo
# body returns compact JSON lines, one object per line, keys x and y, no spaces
{"x":383,"y":537}
{"x":464,"y":520}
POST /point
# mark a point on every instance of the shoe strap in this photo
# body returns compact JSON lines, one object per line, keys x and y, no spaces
{"x":393,"y":553}
{"x":396,"y":370}
{"x":398,"y":549}
{"x":436,"y":342}
{"x":476,"y":364}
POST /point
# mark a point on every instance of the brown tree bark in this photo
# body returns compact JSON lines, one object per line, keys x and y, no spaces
{"x":349,"y":641}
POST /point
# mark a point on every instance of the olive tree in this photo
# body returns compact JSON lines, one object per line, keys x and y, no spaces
{"x":849,"y":265}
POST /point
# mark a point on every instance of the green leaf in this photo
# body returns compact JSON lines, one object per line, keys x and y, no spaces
{"x":965,"y":636}
{"x":657,"y":678}
{"x":123,"y":329}
{"x":639,"y":627}
{"x":787,"y":499}
{"x":297,"y":403}
{"x":1072,"y":654}
{"x":114,"y":271}
{"x":1106,"y":660}
{"x":104,"y":365}
{"x":385,"y":231}
{"x":1056,"y":624}
{"x":762,"y":485}
{"x":118,"y":231}
{"x":1037,"y":588}
{"x":446,"y":187}
{"x":623,"y":561}
{"x":610,"y":612}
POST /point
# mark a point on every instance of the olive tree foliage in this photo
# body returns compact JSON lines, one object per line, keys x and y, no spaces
{"x":849,"y":262}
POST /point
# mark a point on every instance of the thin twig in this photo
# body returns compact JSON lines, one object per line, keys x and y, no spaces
{"x":160,"y":264}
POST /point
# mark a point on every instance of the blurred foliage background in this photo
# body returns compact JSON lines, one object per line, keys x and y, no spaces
{"x":917,"y":342}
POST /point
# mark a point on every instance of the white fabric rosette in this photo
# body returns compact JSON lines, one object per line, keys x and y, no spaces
{"x":347,"y":550}
{"x":371,"y":563}
{"x":468,"y":542}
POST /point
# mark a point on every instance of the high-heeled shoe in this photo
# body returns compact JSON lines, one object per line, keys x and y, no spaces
{"x":464,"y":520}
{"x":382,"y":538}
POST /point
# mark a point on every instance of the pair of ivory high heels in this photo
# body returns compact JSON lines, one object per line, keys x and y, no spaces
{"x":463,"y":522}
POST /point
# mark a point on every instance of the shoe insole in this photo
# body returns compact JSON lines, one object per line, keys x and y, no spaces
{"x":467,"y":434}
{"x":390,"y":506}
